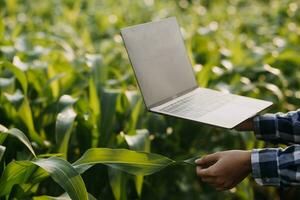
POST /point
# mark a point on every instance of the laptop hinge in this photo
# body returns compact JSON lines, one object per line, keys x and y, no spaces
{"x":173,"y":97}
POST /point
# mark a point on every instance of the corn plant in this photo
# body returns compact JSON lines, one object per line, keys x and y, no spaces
{"x":73,"y":124}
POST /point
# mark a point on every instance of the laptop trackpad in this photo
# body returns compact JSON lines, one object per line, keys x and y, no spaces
{"x":234,"y":112}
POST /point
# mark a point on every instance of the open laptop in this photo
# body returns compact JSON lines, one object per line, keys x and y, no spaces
{"x":167,"y":82}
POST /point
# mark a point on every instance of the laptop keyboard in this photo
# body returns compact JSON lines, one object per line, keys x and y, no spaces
{"x":197,"y":104}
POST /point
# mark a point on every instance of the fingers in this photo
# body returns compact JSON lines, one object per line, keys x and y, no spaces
{"x":211,"y":177}
{"x":204,"y":172}
{"x":208,"y":160}
{"x":210,"y":180}
{"x":223,"y":170}
{"x":218,"y":183}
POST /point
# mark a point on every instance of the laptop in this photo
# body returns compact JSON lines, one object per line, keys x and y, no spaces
{"x":167,"y":81}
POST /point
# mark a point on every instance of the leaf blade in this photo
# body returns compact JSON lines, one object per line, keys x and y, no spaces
{"x":20,"y":136}
{"x":2,"y":151}
{"x":64,"y":124}
{"x":16,"y":172}
{"x":139,"y":142}
{"x":18,"y":73}
{"x":132,"y":162}
{"x":65,"y":175}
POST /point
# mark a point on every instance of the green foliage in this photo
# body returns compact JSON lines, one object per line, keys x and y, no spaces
{"x":132,"y":162}
{"x":21,"y":136}
{"x":64,"y":123}
{"x":16,"y":172}
{"x":65,"y":175}
{"x":2,"y":150}
{"x":67,"y":85}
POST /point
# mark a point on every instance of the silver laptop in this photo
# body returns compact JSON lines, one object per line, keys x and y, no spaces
{"x":167,"y":82}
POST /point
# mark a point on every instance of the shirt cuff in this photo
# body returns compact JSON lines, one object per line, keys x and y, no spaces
{"x":265,"y":127}
{"x":265,"y":166}
{"x":256,"y":127}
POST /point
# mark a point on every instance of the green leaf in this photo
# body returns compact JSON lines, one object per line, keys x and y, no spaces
{"x":25,"y":114}
{"x":65,"y":101}
{"x":95,"y":106}
{"x":122,"y":103}
{"x":38,"y":176}
{"x":108,"y":110}
{"x":53,"y":82}
{"x":15,"y":98}
{"x":2,"y":29}
{"x":2,"y":136}
{"x":99,"y":71}
{"x":117,"y":181}
{"x":3,"y":128}
{"x":65,"y":175}
{"x":2,"y":151}
{"x":204,"y":75}
{"x":18,"y":73}
{"x":16,"y":172}
{"x":22,"y":106}
{"x":64,"y":196}
{"x":139,"y":142}
{"x":132,"y":162}
{"x":134,"y":116}
{"x":190,"y":161}
{"x":64,"y":123}
{"x":133,"y":97}
{"x":6,"y":82}
{"x":20,"y":136}
{"x":93,"y":98}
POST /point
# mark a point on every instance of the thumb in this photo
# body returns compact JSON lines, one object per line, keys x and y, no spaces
{"x":208,"y":159}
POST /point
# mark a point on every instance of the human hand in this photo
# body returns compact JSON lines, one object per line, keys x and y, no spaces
{"x":245,"y":125}
{"x":225,"y":169}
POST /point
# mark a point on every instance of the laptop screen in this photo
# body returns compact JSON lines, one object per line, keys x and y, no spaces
{"x":159,"y":59}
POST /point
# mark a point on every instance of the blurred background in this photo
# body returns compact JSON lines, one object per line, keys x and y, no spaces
{"x":74,"y":48}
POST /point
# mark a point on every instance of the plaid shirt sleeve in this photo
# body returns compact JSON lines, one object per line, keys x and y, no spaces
{"x":276,"y":166}
{"x":280,"y":128}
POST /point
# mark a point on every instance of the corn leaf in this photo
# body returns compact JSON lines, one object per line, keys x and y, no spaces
{"x":65,"y":175}
{"x":15,"y":98}
{"x":6,"y":83}
{"x":108,"y":109}
{"x":139,"y":142}
{"x":19,"y":172}
{"x":22,"y":106}
{"x":18,"y":73}
{"x":99,"y":71}
{"x":64,"y":196}
{"x":16,"y":172}
{"x":2,"y":151}
{"x":95,"y":106}
{"x":25,"y":114}
{"x":3,"y":128}
{"x":134,"y":116}
{"x":2,"y":136}
{"x":64,"y":123}
{"x":1,"y":28}
{"x":20,"y":136}
{"x":117,"y":181}
{"x":132,"y":162}
{"x":190,"y":161}
{"x":97,"y":78}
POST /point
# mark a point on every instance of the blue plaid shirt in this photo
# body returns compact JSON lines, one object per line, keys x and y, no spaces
{"x":276,"y":166}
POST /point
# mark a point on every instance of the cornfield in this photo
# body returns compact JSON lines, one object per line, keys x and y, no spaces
{"x":72,"y":121}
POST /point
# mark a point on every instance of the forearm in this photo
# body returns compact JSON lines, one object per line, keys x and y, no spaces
{"x":276,"y":167}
